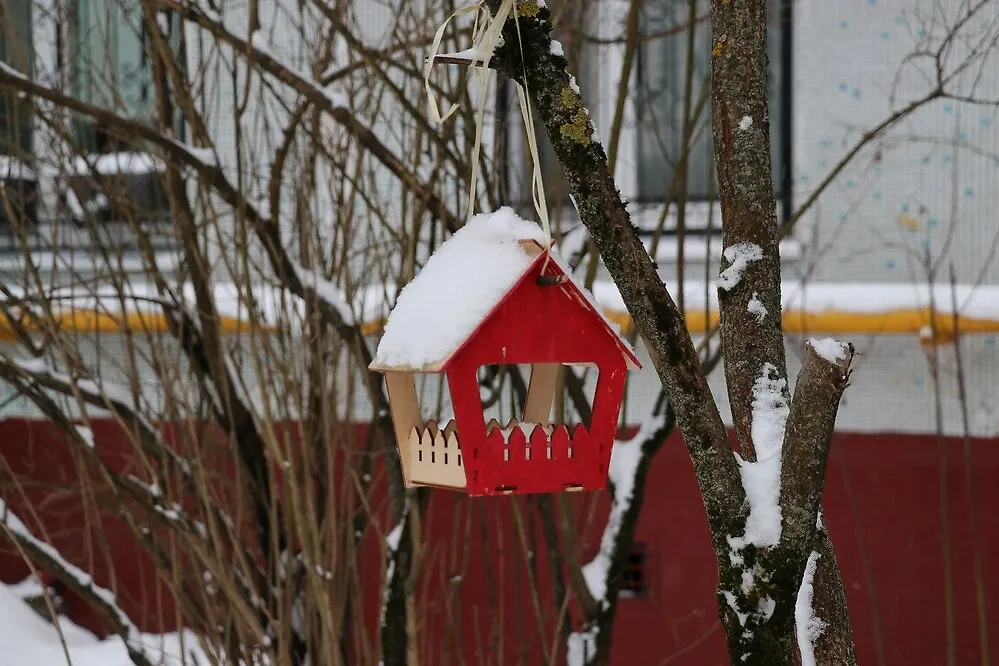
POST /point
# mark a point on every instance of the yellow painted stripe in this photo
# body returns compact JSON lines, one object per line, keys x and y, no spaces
{"x":910,"y":321}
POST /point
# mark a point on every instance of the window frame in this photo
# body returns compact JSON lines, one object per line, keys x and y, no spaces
{"x":86,"y":132}
{"x":604,"y":59}
{"x":22,"y":116}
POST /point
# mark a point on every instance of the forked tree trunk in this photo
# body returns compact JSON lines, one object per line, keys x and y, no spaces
{"x":758,"y":583}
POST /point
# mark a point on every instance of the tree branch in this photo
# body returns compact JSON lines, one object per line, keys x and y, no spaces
{"x":602,"y":211}
{"x":824,"y":376}
{"x":751,"y":259}
{"x":834,"y":643}
{"x":324,"y":100}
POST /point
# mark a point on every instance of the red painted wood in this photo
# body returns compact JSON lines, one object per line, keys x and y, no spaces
{"x":519,"y":296}
{"x":476,"y":604}
{"x":538,"y":324}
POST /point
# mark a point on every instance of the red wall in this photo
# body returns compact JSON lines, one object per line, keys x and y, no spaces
{"x":882,"y":503}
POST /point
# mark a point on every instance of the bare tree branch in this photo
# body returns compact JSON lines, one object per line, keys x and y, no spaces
{"x":603,"y":213}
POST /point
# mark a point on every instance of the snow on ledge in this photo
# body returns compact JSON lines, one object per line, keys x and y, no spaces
{"x":860,"y":298}
{"x":112,"y":164}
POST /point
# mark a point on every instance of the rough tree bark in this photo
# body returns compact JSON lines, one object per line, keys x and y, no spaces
{"x":758,"y":584}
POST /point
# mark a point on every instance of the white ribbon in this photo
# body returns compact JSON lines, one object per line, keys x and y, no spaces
{"x":483,"y":45}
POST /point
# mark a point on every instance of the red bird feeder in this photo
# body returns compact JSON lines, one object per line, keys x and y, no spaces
{"x":495,"y":294}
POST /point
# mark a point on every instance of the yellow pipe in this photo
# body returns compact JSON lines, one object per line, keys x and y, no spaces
{"x":911,"y":321}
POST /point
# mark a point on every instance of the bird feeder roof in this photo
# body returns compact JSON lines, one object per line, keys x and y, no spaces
{"x":459,"y":287}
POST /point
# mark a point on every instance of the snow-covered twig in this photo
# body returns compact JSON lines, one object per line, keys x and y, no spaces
{"x":104,"y":395}
{"x":325,"y":290}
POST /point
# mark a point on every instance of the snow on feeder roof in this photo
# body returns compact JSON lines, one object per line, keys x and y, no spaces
{"x":494,"y":294}
{"x":460,"y":286}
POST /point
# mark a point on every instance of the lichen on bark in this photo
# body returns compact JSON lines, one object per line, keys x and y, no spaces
{"x":528,"y":8}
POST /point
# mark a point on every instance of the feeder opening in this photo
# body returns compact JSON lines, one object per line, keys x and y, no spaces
{"x":544,"y":387}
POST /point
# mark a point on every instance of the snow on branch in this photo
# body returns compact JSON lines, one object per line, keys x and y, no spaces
{"x":808,"y":627}
{"x":179,"y":520}
{"x":581,"y":646}
{"x":739,"y":257}
{"x":10,"y":71}
{"x":392,"y":541}
{"x":761,"y":478}
{"x":43,"y":554}
{"x":326,"y":291}
{"x":150,"y":496}
{"x":627,"y":457}
{"x":173,"y":514}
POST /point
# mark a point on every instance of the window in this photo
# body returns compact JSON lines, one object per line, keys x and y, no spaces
{"x":110,"y":68}
{"x":661,"y":70}
{"x":651,"y":137}
{"x":633,"y":578}
{"x":15,"y":50}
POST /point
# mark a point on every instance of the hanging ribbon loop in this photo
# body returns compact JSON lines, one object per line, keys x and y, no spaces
{"x":484,"y":44}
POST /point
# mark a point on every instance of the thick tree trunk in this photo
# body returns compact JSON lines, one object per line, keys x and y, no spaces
{"x":759,"y":577}
{"x":760,"y":583}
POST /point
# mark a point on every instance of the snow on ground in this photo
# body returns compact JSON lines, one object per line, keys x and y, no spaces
{"x":29,"y":639}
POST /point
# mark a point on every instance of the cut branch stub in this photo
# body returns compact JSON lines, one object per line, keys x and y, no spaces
{"x":824,"y":376}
